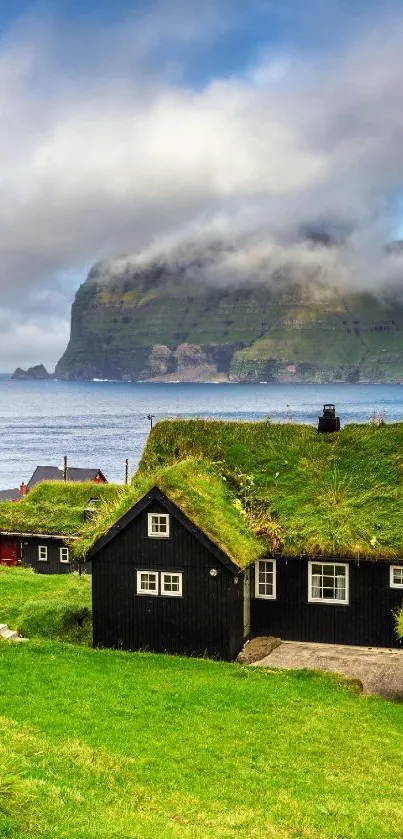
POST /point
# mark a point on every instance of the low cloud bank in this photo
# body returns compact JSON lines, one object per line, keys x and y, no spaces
{"x":126,"y":157}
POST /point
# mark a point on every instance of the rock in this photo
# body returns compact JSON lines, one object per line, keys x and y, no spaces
{"x":160,"y":360}
{"x":36,"y":372}
{"x":258,"y":648}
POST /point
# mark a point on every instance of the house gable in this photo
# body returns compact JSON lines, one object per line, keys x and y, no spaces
{"x":156,"y":495}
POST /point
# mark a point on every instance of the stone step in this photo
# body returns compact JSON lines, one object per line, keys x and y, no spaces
{"x":3,"y":626}
{"x":9,"y":634}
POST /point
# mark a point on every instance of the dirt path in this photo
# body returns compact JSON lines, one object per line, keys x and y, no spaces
{"x":379,"y":670}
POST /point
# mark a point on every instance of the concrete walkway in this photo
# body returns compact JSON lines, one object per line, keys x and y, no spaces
{"x":378,"y":669}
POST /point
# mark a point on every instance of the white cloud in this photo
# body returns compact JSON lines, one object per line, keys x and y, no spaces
{"x":117,"y":155}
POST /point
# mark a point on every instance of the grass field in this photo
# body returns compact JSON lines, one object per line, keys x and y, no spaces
{"x":110,"y":745}
{"x":19,"y":585}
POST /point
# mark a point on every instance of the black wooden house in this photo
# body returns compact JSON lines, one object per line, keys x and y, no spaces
{"x":39,"y":530}
{"x":161,"y":583}
{"x":331,"y":600}
{"x":326,"y":563}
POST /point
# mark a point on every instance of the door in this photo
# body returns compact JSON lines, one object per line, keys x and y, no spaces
{"x":8,"y":550}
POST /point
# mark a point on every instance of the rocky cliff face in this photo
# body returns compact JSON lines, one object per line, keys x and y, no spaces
{"x":162,"y":323}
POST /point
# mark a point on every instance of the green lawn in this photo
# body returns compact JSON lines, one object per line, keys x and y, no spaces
{"x":112,"y":745}
{"x":18,"y":585}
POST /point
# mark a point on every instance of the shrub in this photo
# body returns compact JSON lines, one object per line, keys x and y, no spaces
{"x":56,"y":619}
{"x":399,"y":623}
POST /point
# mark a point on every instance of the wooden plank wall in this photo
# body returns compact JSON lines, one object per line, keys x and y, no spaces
{"x":29,"y":556}
{"x":367,"y":620}
{"x":206,"y":620}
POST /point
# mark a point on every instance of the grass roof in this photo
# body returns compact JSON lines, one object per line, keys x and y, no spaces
{"x":55,"y":507}
{"x":200,"y":491}
{"x":318,"y":494}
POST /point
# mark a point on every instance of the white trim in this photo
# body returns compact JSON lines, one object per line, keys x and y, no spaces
{"x":391,"y":581}
{"x":257,"y":593}
{"x":171,"y":574}
{"x":61,"y":552}
{"x":141,"y":590}
{"x":158,"y":534}
{"x":328,"y":600}
{"x":40,"y":549}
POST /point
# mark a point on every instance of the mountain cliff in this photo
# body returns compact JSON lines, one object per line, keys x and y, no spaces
{"x":162,"y":322}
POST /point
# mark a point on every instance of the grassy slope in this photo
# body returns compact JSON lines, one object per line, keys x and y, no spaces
{"x":109,"y":745}
{"x":55,"y":507}
{"x":18,"y":585}
{"x":206,"y":499}
{"x":339,"y":494}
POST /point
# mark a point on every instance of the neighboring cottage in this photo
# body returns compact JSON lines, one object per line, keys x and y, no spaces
{"x":72,"y":473}
{"x":52,"y":473}
{"x":39,"y":530}
{"x":10,"y":494}
{"x":168,"y":575}
{"x":323,"y":513}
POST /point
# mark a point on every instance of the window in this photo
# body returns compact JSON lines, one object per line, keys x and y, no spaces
{"x":158,"y":524}
{"x":328,"y":582}
{"x":64,"y":555}
{"x":265,"y":579}
{"x":147,"y":582}
{"x":42,"y":553}
{"x":171,"y":584}
{"x":396,"y":576}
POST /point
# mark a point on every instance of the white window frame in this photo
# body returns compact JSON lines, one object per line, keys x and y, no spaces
{"x":171,"y":574}
{"x":392,"y":583}
{"x":158,"y":534}
{"x":64,"y":552}
{"x":40,"y":549}
{"x":257,"y":592}
{"x":329,"y":600}
{"x":141,"y":590}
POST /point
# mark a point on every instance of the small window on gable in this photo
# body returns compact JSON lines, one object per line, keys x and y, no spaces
{"x":328,"y":582}
{"x":42,"y":553}
{"x":147,"y":582}
{"x":171,"y":584}
{"x":64,"y":555}
{"x":265,"y":579}
{"x":158,"y":524}
{"x":396,"y":576}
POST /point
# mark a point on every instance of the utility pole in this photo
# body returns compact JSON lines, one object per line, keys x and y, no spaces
{"x":127,"y":471}
{"x":65,"y":468}
{"x":151,"y":417}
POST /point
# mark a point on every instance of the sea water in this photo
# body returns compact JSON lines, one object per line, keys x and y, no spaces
{"x":100,"y":424}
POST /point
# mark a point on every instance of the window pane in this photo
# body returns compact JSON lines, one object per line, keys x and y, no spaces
{"x":398,"y":576}
{"x":328,"y":581}
{"x":265,"y":578}
{"x":148,"y":582}
{"x":158,"y":524}
{"x":171,"y":584}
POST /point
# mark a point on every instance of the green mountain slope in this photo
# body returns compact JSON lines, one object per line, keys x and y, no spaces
{"x":164,"y":323}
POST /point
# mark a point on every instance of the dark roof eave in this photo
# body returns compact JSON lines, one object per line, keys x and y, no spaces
{"x":37,"y":535}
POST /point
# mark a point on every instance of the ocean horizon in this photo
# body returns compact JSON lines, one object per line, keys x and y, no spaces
{"x":101,"y":423}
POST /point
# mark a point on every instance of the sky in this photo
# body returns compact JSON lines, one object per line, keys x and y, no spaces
{"x":128,"y":128}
